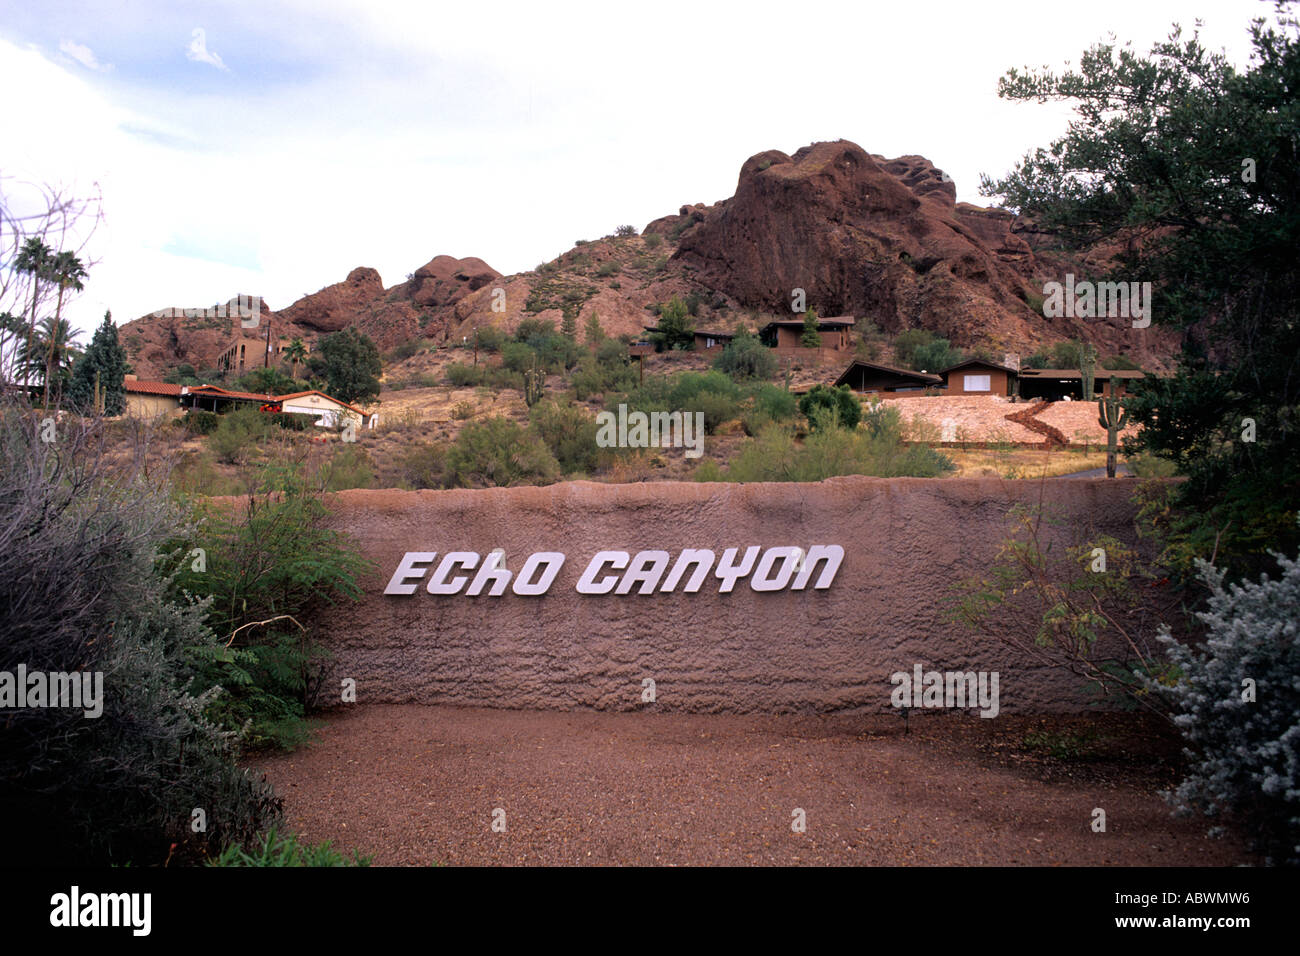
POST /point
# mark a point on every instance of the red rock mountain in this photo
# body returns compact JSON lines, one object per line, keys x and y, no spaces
{"x":880,"y":239}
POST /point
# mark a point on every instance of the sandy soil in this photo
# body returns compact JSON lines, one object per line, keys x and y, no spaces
{"x":418,"y":785}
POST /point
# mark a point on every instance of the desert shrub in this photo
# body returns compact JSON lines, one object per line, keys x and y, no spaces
{"x":570,"y":434}
{"x":882,"y":420}
{"x":406,"y":350}
{"x":496,"y":451}
{"x":772,"y":404}
{"x":86,"y":586}
{"x":609,"y":268}
{"x":1237,"y":702}
{"x":774,"y":455}
{"x":348,"y":467}
{"x":462,"y":376}
{"x":625,"y":231}
{"x":1119,"y":363}
{"x":500,"y":378}
{"x":653,"y":240}
{"x":745,"y":357}
{"x":270,"y":561}
{"x":424,"y":466}
{"x":196,"y":474}
{"x":846,"y":408}
{"x":606,"y":371}
{"x":200,"y":422}
{"x":291,"y":421}
{"x":277,"y":848}
{"x":518,"y":357}
{"x":490,"y":338}
{"x":694,"y":300}
{"x":462,"y":410}
{"x":237,"y":434}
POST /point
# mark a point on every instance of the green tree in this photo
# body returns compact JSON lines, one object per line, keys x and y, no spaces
{"x":810,"y":337}
{"x":296,"y":353}
{"x":66,"y":271}
{"x":675,"y":329}
{"x":349,"y":364}
{"x":104,"y":361}
{"x":33,"y":259}
{"x":844,"y":406}
{"x":745,"y":357}
{"x":1199,"y":160}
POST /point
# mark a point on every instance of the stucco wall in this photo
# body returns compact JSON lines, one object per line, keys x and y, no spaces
{"x":906,"y":542}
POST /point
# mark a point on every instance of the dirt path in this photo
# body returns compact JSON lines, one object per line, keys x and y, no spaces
{"x":418,"y":785}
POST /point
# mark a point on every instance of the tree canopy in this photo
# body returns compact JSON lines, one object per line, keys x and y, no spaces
{"x":1190,"y":167}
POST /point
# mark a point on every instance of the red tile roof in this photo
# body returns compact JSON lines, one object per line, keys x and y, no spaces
{"x":152,"y":388}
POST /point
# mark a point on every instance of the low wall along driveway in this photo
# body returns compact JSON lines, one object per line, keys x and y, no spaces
{"x":799,"y":631}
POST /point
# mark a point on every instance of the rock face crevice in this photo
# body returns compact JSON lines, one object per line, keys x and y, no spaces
{"x":907,"y":543}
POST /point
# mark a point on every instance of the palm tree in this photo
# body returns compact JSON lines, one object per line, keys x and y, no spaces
{"x":296,"y":353}
{"x":66,"y":269}
{"x":34,"y":258}
{"x":10,"y":324}
{"x":52,"y":353}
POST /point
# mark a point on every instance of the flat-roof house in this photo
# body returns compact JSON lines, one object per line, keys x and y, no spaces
{"x":1057,"y":383}
{"x":708,"y":339}
{"x":869,"y":377}
{"x":978,"y":377}
{"x":786,"y":334}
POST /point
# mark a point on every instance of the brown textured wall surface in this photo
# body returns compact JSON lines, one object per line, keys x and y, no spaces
{"x":906,"y":542}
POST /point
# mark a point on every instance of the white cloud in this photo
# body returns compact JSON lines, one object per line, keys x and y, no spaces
{"x":83,"y":55}
{"x":198,"y":50}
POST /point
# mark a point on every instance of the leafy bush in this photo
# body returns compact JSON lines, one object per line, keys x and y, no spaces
{"x":348,"y":467}
{"x":490,"y":338}
{"x":85,"y":586}
{"x":270,"y":561}
{"x":570,"y":434}
{"x":772,"y":404}
{"x":496,"y":451}
{"x":237,"y":433}
{"x":1119,"y":363}
{"x":745,"y":357}
{"x":349,"y":363}
{"x":845,"y":407}
{"x":462,"y":376}
{"x":1237,"y":703}
{"x":285,"y":849}
{"x":518,"y":357}
{"x":774,"y":455}
{"x":675,"y":330}
{"x":292,"y":421}
{"x":266,"y":381}
{"x":200,"y":422}
{"x":423,"y":466}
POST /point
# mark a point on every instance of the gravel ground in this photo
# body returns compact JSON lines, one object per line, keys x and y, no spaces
{"x":418,"y":785}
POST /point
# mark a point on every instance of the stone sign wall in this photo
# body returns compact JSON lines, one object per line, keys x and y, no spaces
{"x":829,"y":644}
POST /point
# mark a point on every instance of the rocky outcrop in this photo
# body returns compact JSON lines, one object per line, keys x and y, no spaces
{"x":335,"y":306}
{"x":445,"y":280}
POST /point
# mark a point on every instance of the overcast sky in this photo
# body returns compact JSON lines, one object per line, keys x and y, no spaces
{"x":270,"y":147}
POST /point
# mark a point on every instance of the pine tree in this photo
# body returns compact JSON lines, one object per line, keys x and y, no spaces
{"x":106,"y":356}
{"x":811,"y":338}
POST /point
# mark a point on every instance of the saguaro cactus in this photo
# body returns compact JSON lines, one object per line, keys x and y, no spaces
{"x":534,"y":385}
{"x":1112,"y":417}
